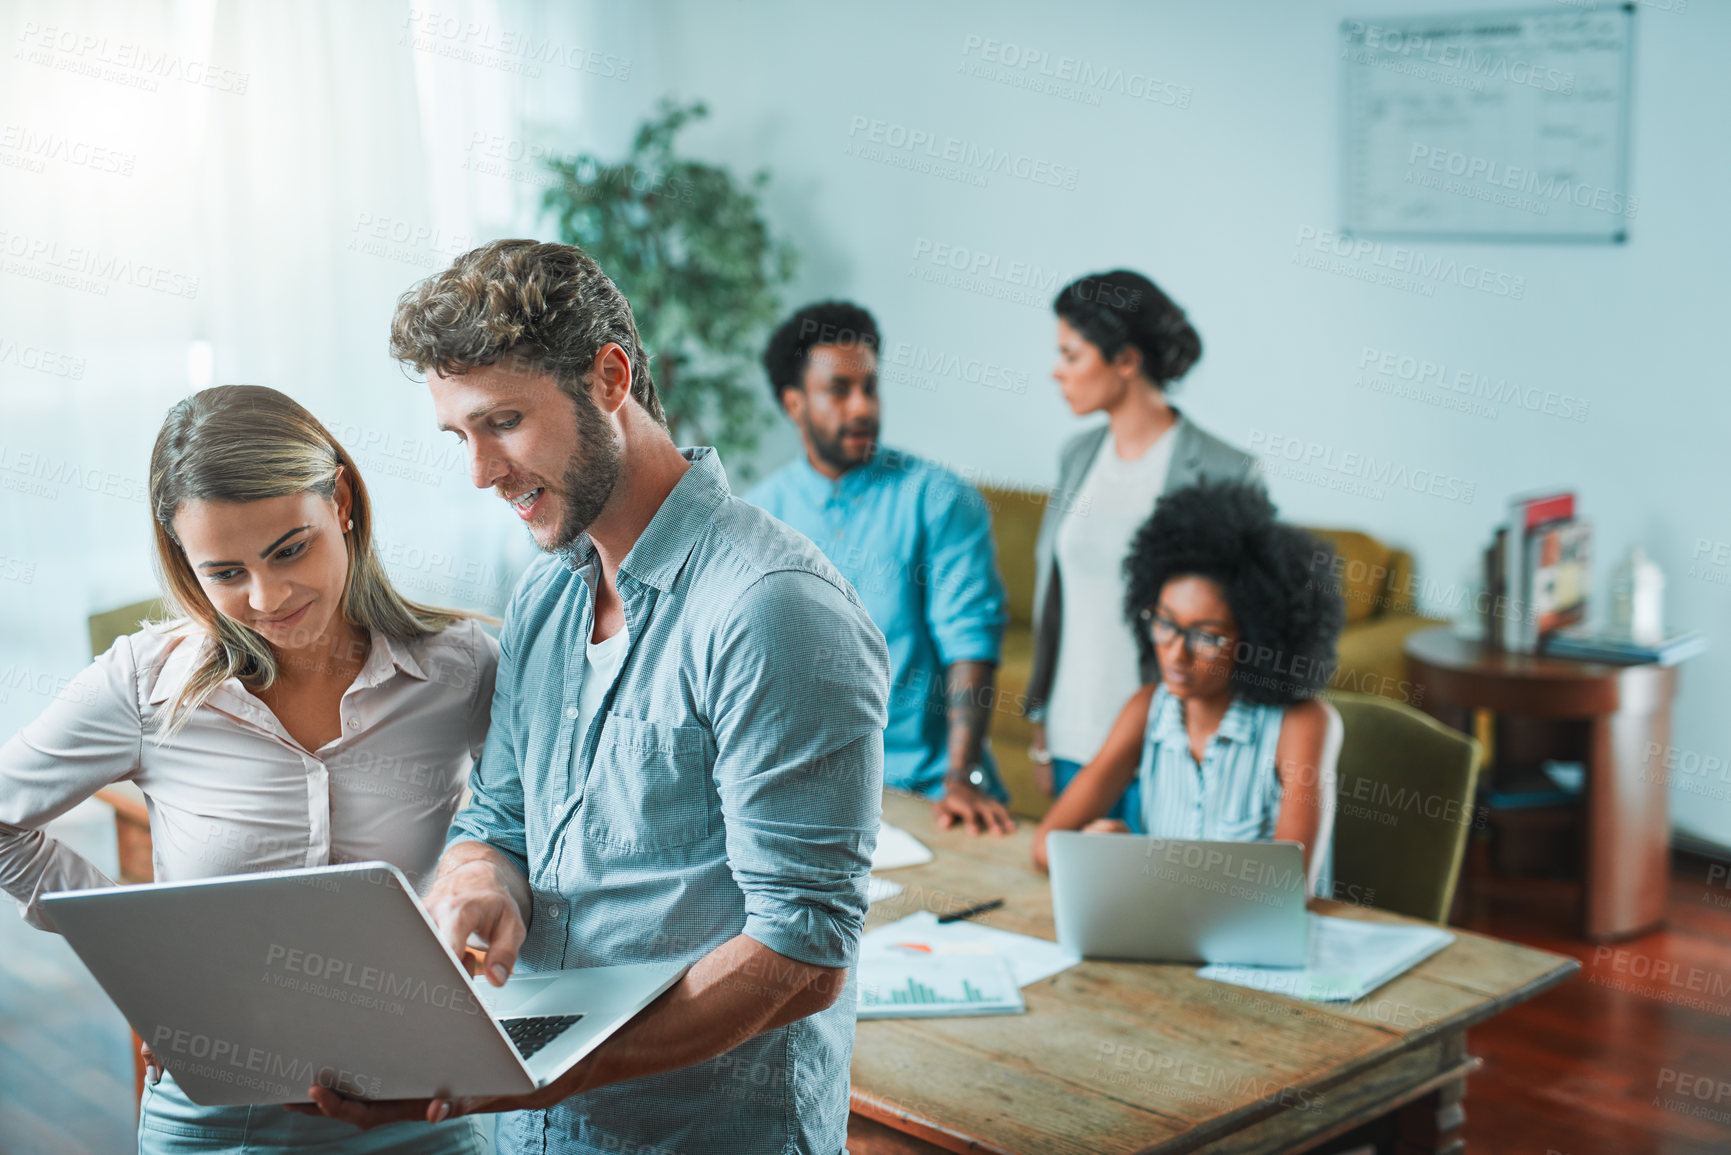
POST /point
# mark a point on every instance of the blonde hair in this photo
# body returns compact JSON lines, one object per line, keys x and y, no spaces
{"x":241,"y":443}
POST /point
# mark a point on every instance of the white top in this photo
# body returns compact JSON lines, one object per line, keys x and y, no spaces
{"x":1097,"y":669}
{"x":601,"y":662}
{"x":232,"y":792}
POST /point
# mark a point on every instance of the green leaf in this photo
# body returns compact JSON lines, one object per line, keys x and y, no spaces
{"x":687,"y":244}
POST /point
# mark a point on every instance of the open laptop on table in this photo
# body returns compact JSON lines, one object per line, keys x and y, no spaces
{"x":253,"y":987}
{"x":1128,"y":896}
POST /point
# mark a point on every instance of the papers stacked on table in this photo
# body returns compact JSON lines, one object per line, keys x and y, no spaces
{"x":939,"y":958}
{"x":877,"y":888}
{"x":1349,"y":958}
{"x":896,"y":847}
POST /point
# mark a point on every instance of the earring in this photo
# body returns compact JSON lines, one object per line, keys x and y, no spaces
{"x":351,"y":523}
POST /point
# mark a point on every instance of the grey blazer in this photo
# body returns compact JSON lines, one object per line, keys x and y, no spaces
{"x":1196,"y":456}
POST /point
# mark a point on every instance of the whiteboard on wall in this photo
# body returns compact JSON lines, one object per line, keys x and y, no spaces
{"x":1488,"y":126}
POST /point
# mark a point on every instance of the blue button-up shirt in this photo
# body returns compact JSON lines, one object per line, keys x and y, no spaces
{"x":731,"y":782}
{"x":916,"y":542}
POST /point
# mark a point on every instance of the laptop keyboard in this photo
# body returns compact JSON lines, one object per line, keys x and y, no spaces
{"x":530,"y":1035}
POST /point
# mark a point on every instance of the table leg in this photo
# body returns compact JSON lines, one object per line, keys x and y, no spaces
{"x":1431,"y":1125}
{"x":1627,"y":843}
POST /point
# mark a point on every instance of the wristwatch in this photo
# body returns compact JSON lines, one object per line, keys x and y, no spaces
{"x":975,"y":777}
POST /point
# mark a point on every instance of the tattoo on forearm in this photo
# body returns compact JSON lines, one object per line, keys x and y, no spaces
{"x":969,"y":699}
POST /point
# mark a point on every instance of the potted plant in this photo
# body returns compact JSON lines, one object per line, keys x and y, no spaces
{"x":688,"y":246}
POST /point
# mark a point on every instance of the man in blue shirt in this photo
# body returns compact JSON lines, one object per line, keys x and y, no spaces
{"x":686,"y":752}
{"x":916,"y":542}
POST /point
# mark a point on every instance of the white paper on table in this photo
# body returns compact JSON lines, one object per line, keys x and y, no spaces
{"x":877,"y":888}
{"x":910,"y":986}
{"x":1031,"y":959}
{"x":1348,"y":958}
{"x":896,"y":847}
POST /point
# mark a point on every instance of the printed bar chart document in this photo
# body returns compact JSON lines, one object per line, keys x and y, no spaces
{"x":896,"y":986}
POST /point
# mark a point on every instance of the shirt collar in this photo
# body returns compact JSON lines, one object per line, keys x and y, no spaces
{"x":660,"y":552}
{"x":384,"y":656}
{"x":884,"y":462}
{"x":1236,"y":725}
{"x":1239,"y":724}
{"x":178,"y":666}
{"x":1168,"y":717}
{"x":388,"y":654}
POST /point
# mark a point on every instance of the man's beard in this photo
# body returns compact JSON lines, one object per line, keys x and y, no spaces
{"x":590,"y":475}
{"x":829,"y":449}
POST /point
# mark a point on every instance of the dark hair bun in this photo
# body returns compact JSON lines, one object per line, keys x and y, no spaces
{"x":1120,"y":308}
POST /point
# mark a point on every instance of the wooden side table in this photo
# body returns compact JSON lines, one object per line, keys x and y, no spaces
{"x":1626,"y":713}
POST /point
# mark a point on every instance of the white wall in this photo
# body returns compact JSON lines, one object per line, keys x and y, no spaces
{"x":1211,"y":200}
{"x":1209,"y":193}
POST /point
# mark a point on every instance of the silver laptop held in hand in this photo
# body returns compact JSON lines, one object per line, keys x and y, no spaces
{"x":1128,"y":896}
{"x":251,"y":988}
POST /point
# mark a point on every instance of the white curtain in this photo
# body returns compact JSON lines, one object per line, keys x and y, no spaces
{"x":196,"y":193}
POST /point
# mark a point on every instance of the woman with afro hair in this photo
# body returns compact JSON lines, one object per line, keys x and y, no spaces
{"x":1231,"y":744}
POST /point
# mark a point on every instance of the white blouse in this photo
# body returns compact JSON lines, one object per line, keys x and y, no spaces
{"x":1098,"y":667}
{"x":232,"y":792}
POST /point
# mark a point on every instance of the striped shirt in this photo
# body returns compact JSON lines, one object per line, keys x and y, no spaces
{"x":730,"y":783}
{"x":1234,"y":795}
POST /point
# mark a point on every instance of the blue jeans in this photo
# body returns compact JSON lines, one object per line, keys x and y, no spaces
{"x":169,"y":1123}
{"x":1128,"y":808}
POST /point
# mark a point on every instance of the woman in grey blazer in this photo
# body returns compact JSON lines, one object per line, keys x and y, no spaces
{"x":1121,"y":344}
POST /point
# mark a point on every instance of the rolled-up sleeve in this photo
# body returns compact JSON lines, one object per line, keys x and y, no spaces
{"x":965,"y":602}
{"x":799,"y":687}
{"x":89,"y":736}
{"x":494,"y":814}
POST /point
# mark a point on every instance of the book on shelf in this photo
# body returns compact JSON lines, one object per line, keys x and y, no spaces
{"x":1496,"y":588}
{"x":1559,"y":558}
{"x":1527,"y":788}
{"x":1537,"y":571}
{"x":1619,"y":649}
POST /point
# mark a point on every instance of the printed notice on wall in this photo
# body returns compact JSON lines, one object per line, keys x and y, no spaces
{"x":1488,"y":126}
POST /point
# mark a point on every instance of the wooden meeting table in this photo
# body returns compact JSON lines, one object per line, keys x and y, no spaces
{"x":1138,"y":1057}
{"x":1142,"y":1057}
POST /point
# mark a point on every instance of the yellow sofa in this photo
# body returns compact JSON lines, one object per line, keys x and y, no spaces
{"x":1375,"y":579}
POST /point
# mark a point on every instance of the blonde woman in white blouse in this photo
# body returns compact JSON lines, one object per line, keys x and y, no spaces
{"x":296,"y":712}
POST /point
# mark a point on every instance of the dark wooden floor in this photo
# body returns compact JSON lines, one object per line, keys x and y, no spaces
{"x":1631,"y":1057}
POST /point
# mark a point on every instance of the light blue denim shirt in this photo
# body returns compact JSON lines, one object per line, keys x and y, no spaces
{"x":916,"y":542}
{"x":733,"y":784}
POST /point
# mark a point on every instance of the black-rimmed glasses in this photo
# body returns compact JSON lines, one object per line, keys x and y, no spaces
{"x":1196,"y":639}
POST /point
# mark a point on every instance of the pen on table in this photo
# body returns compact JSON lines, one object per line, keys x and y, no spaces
{"x":971,"y":911}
